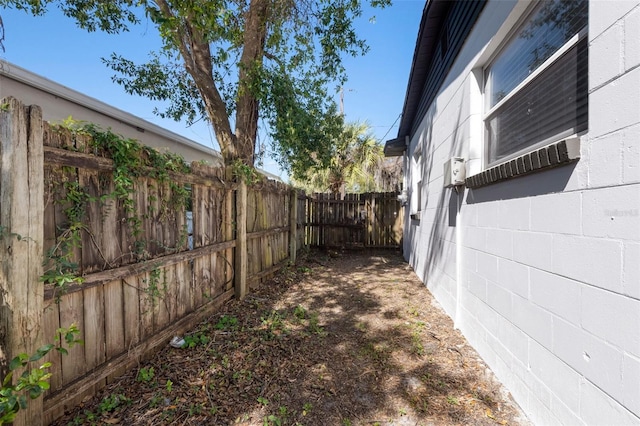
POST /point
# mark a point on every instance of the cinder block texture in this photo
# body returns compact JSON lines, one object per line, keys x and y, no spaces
{"x":605,"y":160}
{"x":631,"y":154}
{"x":556,"y":375}
{"x":556,"y":294}
{"x":631,"y":37}
{"x":612,"y":317}
{"x":606,"y":13}
{"x":631,"y":383}
{"x":595,"y":261}
{"x":597,"y":408}
{"x":615,"y":106}
{"x":533,"y":249}
{"x":557,"y":213}
{"x":631,"y":269}
{"x":533,"y":320}
{"x":606,"y":55}
{"x":612,"y":212}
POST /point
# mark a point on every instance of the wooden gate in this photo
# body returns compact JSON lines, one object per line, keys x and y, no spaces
{"x":372,"y":220}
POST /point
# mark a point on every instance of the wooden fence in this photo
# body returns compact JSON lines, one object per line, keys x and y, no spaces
{"x":155,"y":257}
{"x":154,"y":263}
{"x":371,"y":220}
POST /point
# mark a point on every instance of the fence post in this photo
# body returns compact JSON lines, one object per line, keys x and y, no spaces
{"x":369,"y":222}
{"x":21,"y":238}
{"x":241,"y":241}
{"x":293,"y":225}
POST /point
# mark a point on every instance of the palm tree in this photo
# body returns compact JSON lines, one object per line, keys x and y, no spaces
{"x":356,"y":156}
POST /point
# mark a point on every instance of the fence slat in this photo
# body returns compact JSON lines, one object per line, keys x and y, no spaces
{"x":141,"y":276}
{"x":51,"y":320}
{"x":94,"y":333}
{"x":21,"y":235}
{"x":72,"y":312}
{"x":114,"y":318}
{"x":160,"y":311}
{"x":131,"y":312}
{"x":145,"y":301}
{"x":354,"y":220}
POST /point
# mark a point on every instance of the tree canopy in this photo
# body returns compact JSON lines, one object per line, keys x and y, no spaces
{"x":232,"y":62}
{"x":355,"y":158}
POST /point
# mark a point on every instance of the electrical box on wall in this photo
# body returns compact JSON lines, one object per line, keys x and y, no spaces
{"x":454,"y":172}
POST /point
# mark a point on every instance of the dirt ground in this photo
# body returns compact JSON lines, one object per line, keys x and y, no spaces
{"x":344,"y":339}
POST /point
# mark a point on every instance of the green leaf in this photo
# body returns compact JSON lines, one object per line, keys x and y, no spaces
{"x":7,"y":379}
{"x":41,"y":352}
{"x":35,"y":392}
{"x":9,"y":417}
{"x":18,"y":361}
{"x":22,"y":400}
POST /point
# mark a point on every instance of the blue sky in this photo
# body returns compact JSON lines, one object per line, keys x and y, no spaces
{"x":53,"y":47}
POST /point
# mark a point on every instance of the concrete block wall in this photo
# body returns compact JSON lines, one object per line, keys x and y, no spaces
{"x":546,"y":268}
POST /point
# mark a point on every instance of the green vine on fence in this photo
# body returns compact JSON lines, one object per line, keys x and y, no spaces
{"x":4,"y":233}
{"x":156,"y":287}
{"x":245,"y":172}
{"x":61,"y":269}
{"x":131,"y":161}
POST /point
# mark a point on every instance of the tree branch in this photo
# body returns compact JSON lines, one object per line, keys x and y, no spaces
{"x":197,"y":61}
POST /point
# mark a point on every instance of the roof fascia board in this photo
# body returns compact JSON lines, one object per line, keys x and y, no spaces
{"x":422,"y":53}
{"x":437,"y":14}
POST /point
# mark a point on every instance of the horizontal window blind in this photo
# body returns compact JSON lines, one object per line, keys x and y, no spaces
{"x":550,"y":26}
{"x":537,"y":86}
{"x":551,"y":105}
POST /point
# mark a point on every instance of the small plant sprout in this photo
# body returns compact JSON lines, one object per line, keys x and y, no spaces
{"x":300,"y":312}
{"x":306,"y":408}
{"x":227,"y":323}
{"x":146,"y":375}
{"x":453,"y":400}
{"x":197,"y":339}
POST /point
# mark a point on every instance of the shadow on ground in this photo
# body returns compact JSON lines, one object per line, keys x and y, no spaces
{"x":353,"y":339}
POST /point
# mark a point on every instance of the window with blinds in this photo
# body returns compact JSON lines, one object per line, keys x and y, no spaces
{"x":536,"y":87}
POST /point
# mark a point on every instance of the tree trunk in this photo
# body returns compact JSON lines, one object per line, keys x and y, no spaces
{"x":196,"y":53}
{"x":197,"y":60}
{"x":255,"y":34}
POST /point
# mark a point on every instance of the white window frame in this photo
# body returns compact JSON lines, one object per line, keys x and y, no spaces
{"x":485,"y":90}
{"x":417,"y":178}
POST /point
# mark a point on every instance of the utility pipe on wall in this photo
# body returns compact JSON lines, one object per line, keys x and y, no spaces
{"x":458,"y":316}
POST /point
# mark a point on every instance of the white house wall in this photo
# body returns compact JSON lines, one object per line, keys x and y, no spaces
{"x":543,"y":275}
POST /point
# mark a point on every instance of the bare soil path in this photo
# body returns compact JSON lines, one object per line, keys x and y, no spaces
{"x":339,"y":339}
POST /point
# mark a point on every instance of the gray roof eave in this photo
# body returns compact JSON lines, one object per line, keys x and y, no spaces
{"x":433,"y":17}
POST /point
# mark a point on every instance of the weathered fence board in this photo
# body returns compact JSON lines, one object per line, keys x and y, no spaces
{"x":114,"y":318}
{"x":21,"y":234}
{"x":154,"y":263}
{"x":51,"y":321}
{"x":371,"y":220}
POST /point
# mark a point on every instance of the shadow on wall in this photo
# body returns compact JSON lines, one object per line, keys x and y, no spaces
{"x":544,"y":182}
{"x":441,"y":219}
